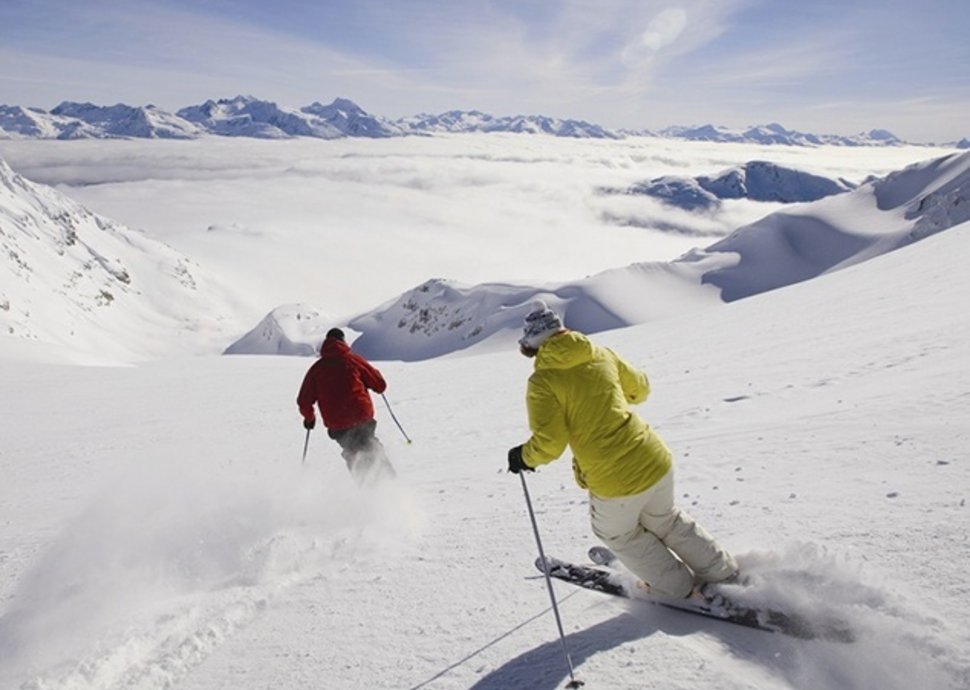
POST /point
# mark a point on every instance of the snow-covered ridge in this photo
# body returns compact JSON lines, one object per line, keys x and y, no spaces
{"x":459,"y":121}
{"x":247,"y":116}
{"x":834,"y":233}
{"x":439,"y":317}
{"x":72,"y":277}
{"x":243,"y":116}
{"x":774,"y":133}
{"x":756,"y":180}
{"x":121,"y":120}
{"x":251,"y":117}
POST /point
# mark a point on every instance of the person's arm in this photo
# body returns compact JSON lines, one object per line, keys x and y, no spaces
{"x":635,"y":385}
{"x":307,"y":396}
{"x":547,"y":421}
{"x":369,"y":374}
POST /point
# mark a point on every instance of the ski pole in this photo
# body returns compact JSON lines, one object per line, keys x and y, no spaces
{"x":573,"y":683}
{"x":306,"y":444}
{"x":403,"y":433}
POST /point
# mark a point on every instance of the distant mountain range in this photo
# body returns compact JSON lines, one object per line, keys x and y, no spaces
{"x":475,"y":121}
{"x":246,"y":116}
{"x":776,"y":134}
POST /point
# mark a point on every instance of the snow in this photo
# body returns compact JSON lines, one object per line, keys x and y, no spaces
{"x":158,"y":529}
{"x":291,"y":329}
{"x":840,"y":231}
{"x":75,"y":278}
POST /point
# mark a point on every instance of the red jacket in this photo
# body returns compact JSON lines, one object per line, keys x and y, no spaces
{"x":338,"y":383}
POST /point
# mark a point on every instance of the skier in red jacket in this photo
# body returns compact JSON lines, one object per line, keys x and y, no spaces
{"x":338,"y":383}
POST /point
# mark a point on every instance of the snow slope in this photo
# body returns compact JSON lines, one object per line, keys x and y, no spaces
{"x":100,"y":290}
{"x":881,"y":216}
{"x":157,"y":529}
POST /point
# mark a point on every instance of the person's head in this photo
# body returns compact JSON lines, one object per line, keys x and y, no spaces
{"x":333,"y":335}
{"x":540,"y":324}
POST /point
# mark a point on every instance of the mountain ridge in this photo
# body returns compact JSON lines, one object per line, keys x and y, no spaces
{"x":248,"y":116}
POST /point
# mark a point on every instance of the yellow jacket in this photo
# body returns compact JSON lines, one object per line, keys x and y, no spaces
{"x":580,"y":395}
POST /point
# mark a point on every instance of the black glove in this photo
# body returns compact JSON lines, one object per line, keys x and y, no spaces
{"x":309,"y":423}
{"x":516,"y":463}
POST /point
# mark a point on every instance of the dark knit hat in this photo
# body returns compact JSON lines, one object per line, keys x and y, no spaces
{"x":540,"y":323}
{"x":336,"y":333}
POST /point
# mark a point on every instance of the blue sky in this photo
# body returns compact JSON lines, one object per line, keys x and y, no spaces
{"x":816,"y":65}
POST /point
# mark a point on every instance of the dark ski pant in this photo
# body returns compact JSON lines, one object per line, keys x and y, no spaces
{"x":363,"y":453}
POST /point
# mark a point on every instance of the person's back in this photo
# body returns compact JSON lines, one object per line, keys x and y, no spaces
{"x":339,"y":383}
{"x":615,"y":451}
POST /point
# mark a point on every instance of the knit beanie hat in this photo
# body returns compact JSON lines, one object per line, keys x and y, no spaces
{"x":540,"y":323}
{"x":335,"y":333}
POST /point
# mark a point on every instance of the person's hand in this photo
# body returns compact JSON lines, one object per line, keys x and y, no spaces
{"x":516,"y":463}
{"x":309,"y":423}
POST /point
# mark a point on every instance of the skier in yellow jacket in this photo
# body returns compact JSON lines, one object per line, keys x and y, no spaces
{"x":580,"y":395}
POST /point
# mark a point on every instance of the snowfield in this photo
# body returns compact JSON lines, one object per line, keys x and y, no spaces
{"x":158,"y":529}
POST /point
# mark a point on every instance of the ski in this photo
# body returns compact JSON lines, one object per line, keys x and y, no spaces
{"x":714,"y":606}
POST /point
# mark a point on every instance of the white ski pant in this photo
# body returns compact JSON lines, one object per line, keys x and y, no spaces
{"x":657,"y":541}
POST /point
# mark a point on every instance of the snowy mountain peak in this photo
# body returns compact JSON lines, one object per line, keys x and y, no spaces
{"x":339,"y":105}
{"x":475,"y":121}
{"x":882,"y":135}
{"x":127,"y":121}
{"x":248,"y":116}
{"x":351,"y":119}
{"x":291,"y":329}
